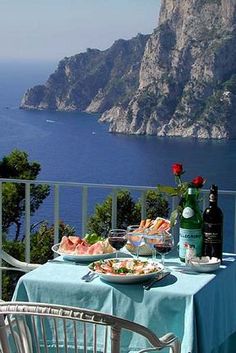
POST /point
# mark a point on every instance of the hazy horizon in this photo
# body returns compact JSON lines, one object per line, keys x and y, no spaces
{"x":49,"y":31}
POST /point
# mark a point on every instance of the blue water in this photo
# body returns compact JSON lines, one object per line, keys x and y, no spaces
{"x":75,"y":147}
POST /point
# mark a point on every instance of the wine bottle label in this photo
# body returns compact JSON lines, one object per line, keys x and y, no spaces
{"x":212,"y":233}
{"x":190,"y":238}
{"x":188,"y":212}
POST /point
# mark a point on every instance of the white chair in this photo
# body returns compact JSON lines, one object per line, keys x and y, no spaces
{"x":17,"y":265}
{"x":35,"y":327}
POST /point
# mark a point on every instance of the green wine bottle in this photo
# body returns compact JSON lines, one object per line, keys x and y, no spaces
{"x":190,"y":232}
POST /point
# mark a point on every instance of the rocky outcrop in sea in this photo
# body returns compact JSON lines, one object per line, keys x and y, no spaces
{"x":93,"y":81}
{"x":179,"y":81}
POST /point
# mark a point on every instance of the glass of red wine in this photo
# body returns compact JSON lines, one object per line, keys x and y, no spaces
{"x":117,"y":238}
{"x":164,"y":245}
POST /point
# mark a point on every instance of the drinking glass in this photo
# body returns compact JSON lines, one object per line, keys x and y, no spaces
{"x":117,"y":239}
{"x":151,"y":240}
{"x":164,"y":245}
{"x":135,"y":236}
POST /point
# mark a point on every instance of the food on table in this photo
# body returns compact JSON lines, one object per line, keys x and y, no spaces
{"x":155,"y":226}
{"x":93,"y":238}
{"x":74,"y":245}
{"x":150,"y":227}
{"x":125,"y":267}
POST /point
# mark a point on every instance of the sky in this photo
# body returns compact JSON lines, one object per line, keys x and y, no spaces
{"x":52,"y":29}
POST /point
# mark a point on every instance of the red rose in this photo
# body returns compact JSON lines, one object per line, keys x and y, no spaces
{"x":198,"y":182}
{"x":177,"y":169}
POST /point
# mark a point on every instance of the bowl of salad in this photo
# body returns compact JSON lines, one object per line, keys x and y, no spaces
{"x":126,"y":270}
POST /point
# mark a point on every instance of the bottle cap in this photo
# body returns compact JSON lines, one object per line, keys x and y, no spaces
{"x":214,"y":188}
{"x":213,"y":194}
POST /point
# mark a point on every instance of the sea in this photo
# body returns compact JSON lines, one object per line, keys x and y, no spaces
{"x":75,"y":147}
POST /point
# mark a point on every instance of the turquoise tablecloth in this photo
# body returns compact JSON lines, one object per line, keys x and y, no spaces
{"x":199,"y":308}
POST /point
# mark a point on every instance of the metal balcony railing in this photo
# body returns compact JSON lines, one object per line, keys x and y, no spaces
{"x":57,"y":186}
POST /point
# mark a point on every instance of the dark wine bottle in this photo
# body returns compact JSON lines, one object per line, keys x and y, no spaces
{"x":213,"y":227}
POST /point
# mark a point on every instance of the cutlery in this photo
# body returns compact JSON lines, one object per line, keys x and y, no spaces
{"x":87,"y":275}
{"x":157,"y":278}
{"x":91,"y":277}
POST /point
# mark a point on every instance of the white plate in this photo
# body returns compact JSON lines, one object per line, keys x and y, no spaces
{"x":204,"y":264}
{"x":130,"y":278}
{"x":81,"y":258}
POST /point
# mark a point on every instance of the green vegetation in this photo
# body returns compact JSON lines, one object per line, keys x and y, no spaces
{"x":41,"y":243}
{"x":128,"y":211}
{"x":215,"y":109}
{"x":93,"y":238}
{"x":16,"y":165}
{"x":216,"y":104}
{"x":205,"y":2}
{"x":230,"y":85}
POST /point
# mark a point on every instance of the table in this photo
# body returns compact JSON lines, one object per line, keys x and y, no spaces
{"x":198,"y":307}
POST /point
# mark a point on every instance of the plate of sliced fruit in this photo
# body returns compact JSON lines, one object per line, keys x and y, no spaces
{"x":87,"y":249}
{"x":126,"y":270}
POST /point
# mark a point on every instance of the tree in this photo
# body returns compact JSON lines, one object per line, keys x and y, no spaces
{"x":17,"y":166}
{"x":156,"y":205}
{"x":100,"y":222}
{"x":128,"y":212}
{"x":40,"y":249}
{"x":42,"y":241}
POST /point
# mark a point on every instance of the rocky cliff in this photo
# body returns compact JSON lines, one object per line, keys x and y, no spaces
{"x":187,"y":82}
{"x":93,"y":81}
{"x":180,"y":81}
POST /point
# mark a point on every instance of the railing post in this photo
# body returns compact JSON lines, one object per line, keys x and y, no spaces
{"x":56,"y":213}
{"x":84,"y":209}
{"x":114,"y":209}
{"x":175,"y":227}
{"x":143,"y":205}
{"x":0,"y":238}
{"x":204,"y":202}
{"x":234,"y":224}
{"x":27,"y":222}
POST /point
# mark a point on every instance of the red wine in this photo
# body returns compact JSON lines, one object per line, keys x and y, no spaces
{"x":117,"y":242}
{"x":213,"y":227}
{"x":162,"y":249}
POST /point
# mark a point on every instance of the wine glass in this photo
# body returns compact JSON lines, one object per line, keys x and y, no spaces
{"x":164,"y":245}
{"x":135,"y":236}
{"x":151,"y":240}
{"x":117,"y":239}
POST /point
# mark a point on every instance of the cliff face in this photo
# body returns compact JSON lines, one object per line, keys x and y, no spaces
{"x":187,"y":82}
{"x":93,"y":81}
{"x":180,"y":81}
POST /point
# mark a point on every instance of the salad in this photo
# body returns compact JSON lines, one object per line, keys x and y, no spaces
{"x":125,"y":267}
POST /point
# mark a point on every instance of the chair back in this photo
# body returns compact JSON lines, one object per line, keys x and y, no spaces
{"x":37,"y":328}
{"x":16,"y":264}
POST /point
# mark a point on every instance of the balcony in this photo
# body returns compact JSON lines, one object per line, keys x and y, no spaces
{"x":227,"y":200}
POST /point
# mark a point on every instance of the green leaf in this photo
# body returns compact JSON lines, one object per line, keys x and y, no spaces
{"x":93,"y":238}
{"x":173,"y":217}
{"x":183,"y":187}
{"x":167,"y":190}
